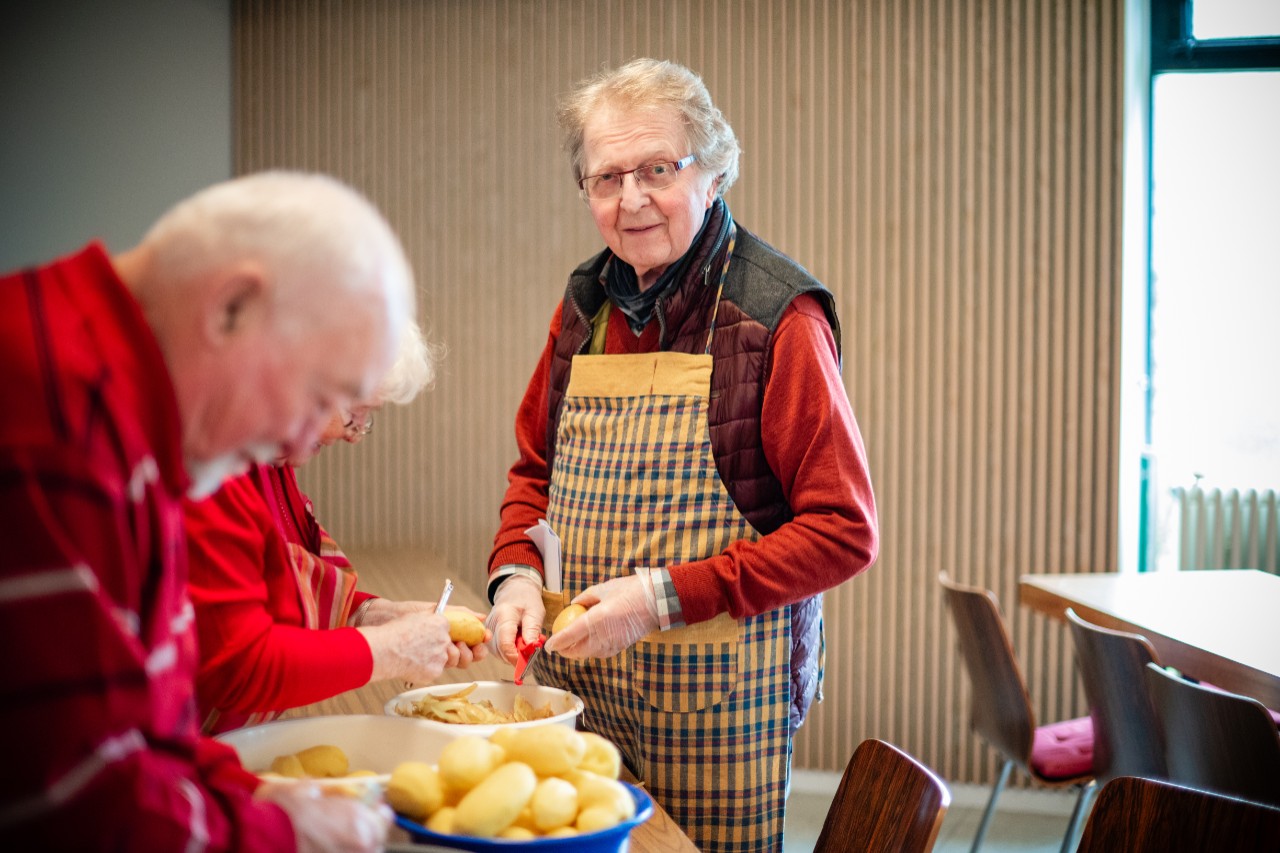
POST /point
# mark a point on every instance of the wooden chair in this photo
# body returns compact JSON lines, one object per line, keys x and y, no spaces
{"x":1217,"y":741}
{"x":1127,"y":740}
{"x":1150,"y":816}
{"x":1001,"y":713}
{"x":887,"y":801}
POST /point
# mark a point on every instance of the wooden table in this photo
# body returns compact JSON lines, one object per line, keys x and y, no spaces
{"x":400,"y":576}
{"x":1219,"y":625}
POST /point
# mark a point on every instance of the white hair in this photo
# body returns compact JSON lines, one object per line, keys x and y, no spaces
{"x":654,"y":84}
{"x":413,"y":370}
{"x":313,"y":235}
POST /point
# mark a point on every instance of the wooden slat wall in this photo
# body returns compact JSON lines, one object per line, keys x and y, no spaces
{"x":950,"y":170}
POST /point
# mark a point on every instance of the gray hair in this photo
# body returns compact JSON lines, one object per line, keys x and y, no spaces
{"x":306,"y":230}
{"x":413,"y":370}
{"x":654,"y":84}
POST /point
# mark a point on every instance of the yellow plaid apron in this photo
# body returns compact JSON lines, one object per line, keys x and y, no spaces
{"x":700,"y":712}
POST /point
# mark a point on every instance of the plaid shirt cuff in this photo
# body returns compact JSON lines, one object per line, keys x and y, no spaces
{"x":669,"y":613}
{"x":503,"y":572}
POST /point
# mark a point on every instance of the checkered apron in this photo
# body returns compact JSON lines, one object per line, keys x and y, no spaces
{"x":699,"y":712}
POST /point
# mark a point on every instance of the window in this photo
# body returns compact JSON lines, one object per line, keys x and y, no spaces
{"x":1211,"y":407}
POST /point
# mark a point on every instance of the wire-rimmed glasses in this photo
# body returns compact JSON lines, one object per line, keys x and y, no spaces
{"x":651,"y":176}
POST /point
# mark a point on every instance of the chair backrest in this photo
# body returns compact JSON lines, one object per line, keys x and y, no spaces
{"x":1218,"y":741}
{"x":1000,"y":708}
{"x":1127,"y":740}
{"x":1149,"y":816}
{"x":887,"y":801}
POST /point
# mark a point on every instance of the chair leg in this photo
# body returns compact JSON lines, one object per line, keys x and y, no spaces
{"x":1074,"y":826}
{"x":1005,"y":769}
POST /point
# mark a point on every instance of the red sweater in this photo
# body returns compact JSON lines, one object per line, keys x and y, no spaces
{"x":813,"y":446}
{"x":96,"y":680}
{"x":255,"y":654}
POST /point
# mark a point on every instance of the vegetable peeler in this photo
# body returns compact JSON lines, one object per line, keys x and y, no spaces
{"x":526,"y":652}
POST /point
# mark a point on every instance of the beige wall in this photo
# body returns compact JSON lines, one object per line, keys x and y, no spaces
{"x":950,"y":170}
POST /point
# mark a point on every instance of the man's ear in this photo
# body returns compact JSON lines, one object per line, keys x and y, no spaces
{"x":234,"y":302}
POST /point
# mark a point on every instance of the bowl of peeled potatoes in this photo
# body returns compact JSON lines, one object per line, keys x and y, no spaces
{"x":542,"y":787}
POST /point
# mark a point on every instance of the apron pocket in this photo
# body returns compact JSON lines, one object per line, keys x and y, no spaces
{"x":688,"y":669}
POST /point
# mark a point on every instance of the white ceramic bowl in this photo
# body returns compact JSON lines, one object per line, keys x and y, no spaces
{"x":371,"y":742}
{"x":565,"y":706}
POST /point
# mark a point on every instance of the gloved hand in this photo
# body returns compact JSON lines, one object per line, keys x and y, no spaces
{"x":414,"y":647}
{"x":619,"y":612}
{"x":517,"y":605}
{"x":324,"y":824}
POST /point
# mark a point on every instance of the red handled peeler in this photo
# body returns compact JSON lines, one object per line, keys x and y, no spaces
{"x":525,"y":652}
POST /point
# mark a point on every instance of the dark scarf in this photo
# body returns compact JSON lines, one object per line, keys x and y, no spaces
{"x":623,"y":288}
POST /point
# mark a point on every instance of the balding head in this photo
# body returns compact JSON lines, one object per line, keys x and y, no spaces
{"x":276,"y":298}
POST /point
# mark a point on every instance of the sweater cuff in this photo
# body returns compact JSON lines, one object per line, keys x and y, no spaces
{"x":501,"y":573}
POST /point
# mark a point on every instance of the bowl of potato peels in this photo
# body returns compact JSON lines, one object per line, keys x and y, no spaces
{"x":483,"y":707}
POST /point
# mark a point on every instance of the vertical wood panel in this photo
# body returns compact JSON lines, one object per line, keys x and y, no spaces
{"x":949,"y":170}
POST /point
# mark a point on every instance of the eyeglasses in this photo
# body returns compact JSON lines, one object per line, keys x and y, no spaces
{"x":358,"y":425}
{"x":653,"y":176}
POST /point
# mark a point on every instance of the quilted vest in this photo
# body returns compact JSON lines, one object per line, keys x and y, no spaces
{"x":761,"y":283}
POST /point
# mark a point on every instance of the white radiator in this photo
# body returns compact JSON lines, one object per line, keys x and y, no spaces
{"x":1227,"y":529}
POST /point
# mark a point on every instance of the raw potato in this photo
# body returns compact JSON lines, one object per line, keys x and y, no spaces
{"x":573,"y":611}
{"x":602,"y":757}
{"x":415,"y":790}
{"x":495,"y":803}
{"x":555,"y":804}
{"x":288,"y":765}
{"x":324,"y":761}
{"x":464,"y":628}
{"x":466,"y":761}
{"x":551,"y":750}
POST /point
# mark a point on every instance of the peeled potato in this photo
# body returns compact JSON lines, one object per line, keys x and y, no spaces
{"x":415,"y":790}
{"x":555,"y":804}
{"x":600,"y":792}
{"x":495,"y":803}
{"x":573,"y":611}
{"x":324,"y":761}
{"x":464,"y":628}
{"x":596,"y":818}
{"x":466,"y":761}
{"x":442,"y":820}
{"x":550,"y":749}
{"x":288,"y":765}
{"x":602,"y":757}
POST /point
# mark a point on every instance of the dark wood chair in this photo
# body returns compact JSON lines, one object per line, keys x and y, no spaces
{"x":1217,"y":741}
{"x":1127,"y":739}
{"x":1150,"y":816}
{"x":887,"y":802}
{"x":1001,"y":712}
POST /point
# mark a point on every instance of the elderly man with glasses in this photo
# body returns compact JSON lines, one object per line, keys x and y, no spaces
{"x":687,"y":435}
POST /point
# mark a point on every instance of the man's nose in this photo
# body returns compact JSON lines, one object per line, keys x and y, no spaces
{"x":634,"y":196}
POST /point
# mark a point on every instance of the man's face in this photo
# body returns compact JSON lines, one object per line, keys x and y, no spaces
{"x":648,"y":229}
{"x":267,"y":396}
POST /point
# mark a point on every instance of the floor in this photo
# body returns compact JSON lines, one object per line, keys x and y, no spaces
{"x":1025,"y":821}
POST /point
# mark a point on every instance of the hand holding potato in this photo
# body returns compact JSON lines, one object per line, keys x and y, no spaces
{"x":619,"y":612}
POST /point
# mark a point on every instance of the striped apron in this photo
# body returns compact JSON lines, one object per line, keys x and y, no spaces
{"x":700,"y":712}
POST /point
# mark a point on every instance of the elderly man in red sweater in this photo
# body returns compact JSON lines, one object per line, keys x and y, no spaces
{"x":245,"y":317}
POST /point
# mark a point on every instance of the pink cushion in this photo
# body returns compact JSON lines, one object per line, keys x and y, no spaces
{"x":1063,"y":750}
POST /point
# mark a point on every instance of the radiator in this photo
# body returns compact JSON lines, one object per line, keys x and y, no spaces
{"x":1227,"y":529}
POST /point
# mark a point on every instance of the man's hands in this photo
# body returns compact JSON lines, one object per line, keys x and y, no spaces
{"x":619,"y":612}
{"x":413,"y":643}
{"x":517,"y":606}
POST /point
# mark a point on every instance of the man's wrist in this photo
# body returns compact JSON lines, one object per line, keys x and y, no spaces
{"x":500,"y":574}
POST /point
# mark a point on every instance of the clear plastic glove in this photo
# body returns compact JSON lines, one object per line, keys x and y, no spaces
{"x":517,"y":605}
{"x":619,"y":612}
{"x":414,"y":647}
{"x":329,"y":824}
